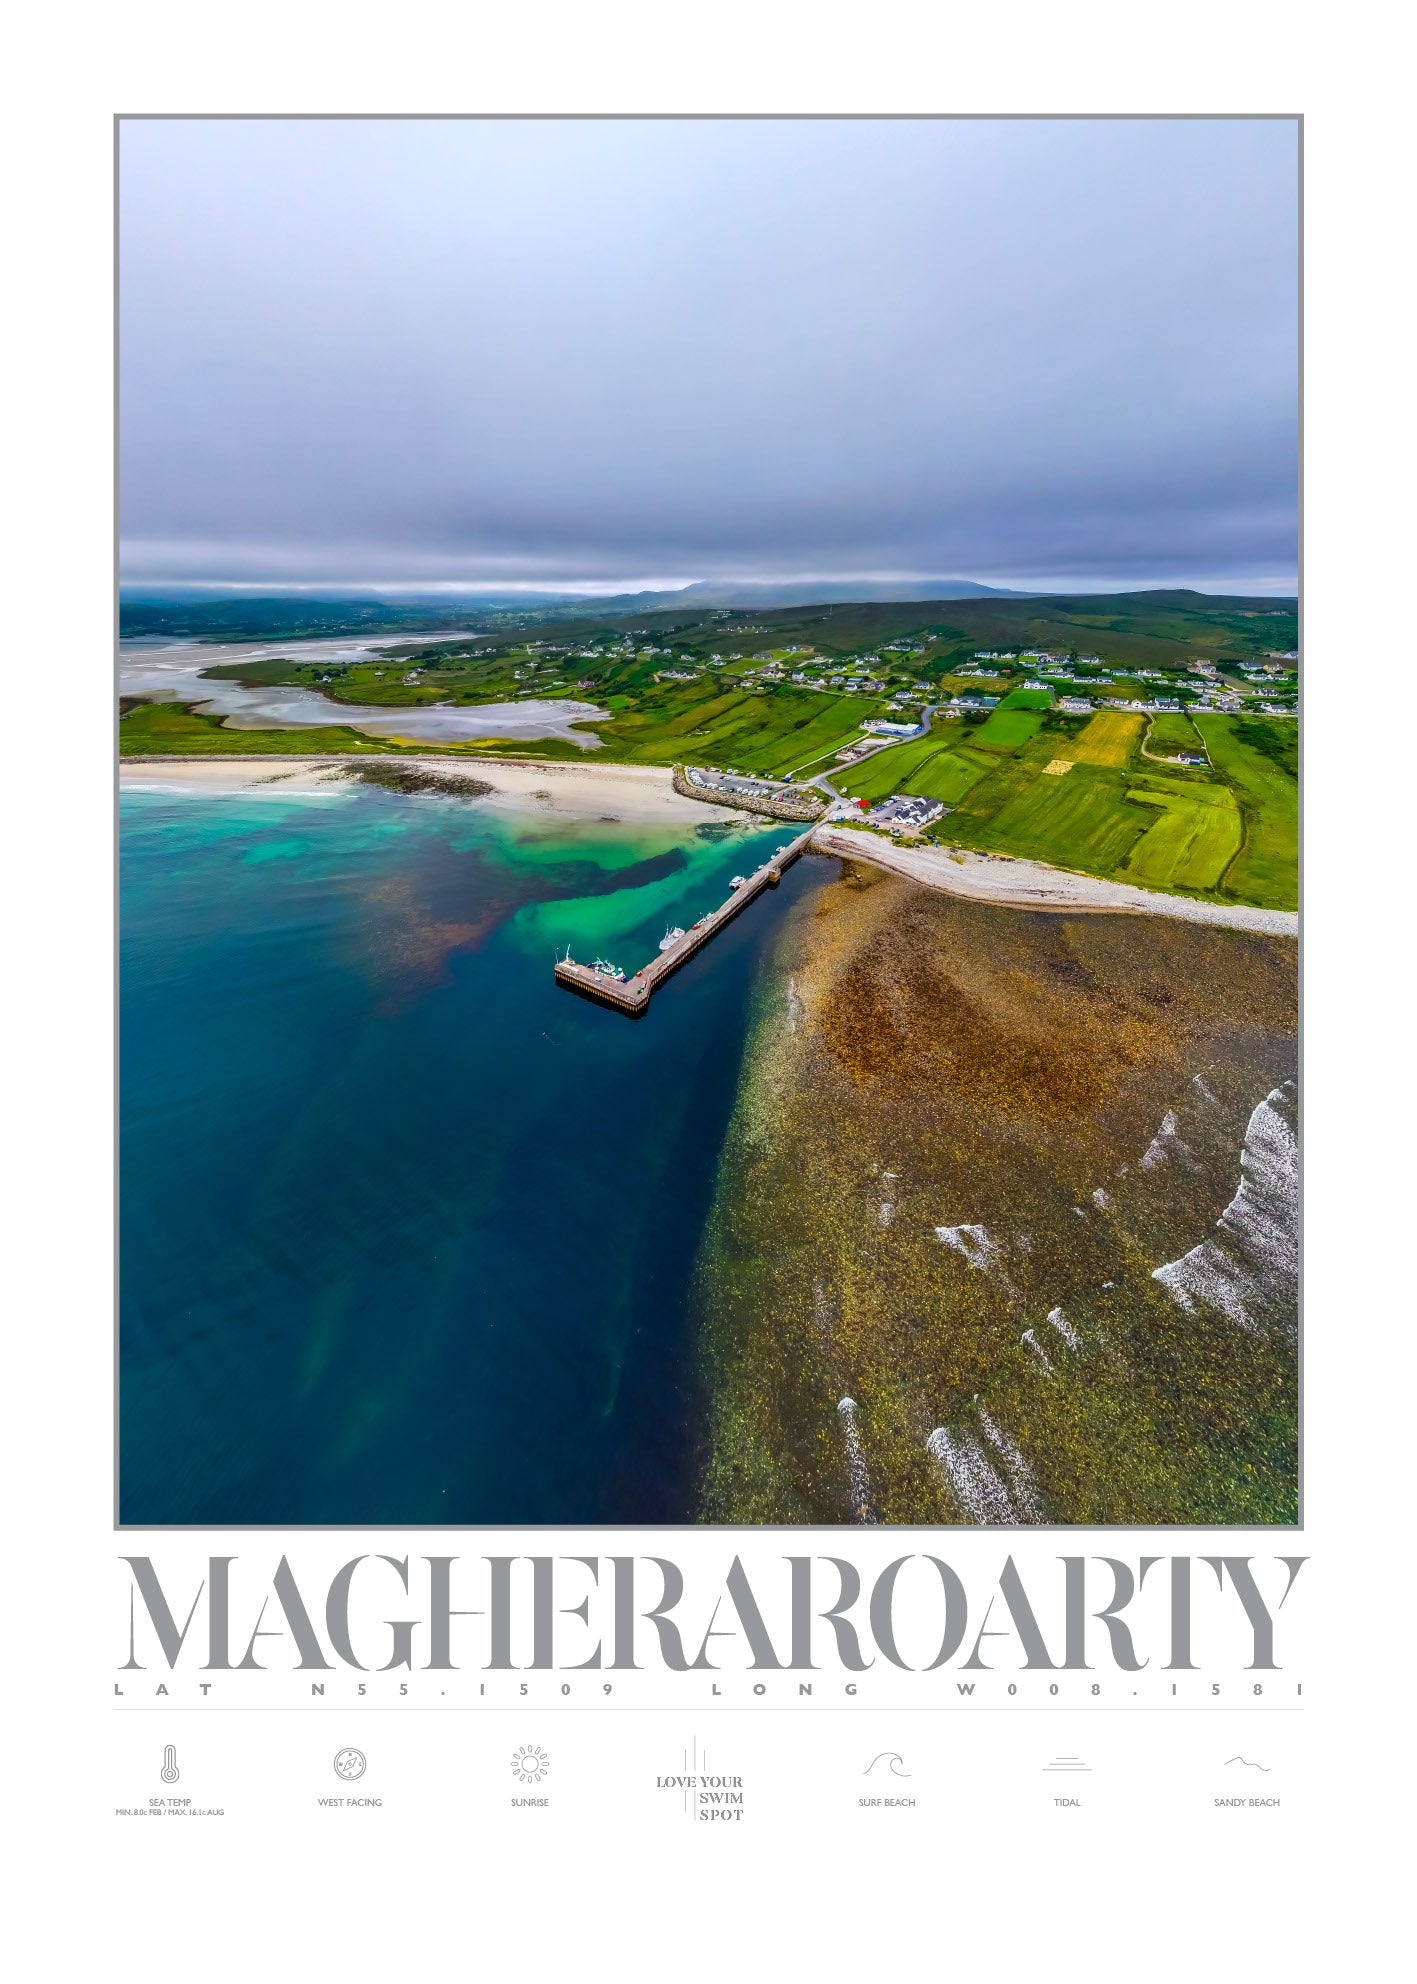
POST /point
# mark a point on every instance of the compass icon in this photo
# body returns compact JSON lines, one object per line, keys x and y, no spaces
{"x":530,"y":1764}
{"x":349,"y":1764}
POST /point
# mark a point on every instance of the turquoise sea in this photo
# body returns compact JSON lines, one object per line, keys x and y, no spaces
{"x":406,"y":1229}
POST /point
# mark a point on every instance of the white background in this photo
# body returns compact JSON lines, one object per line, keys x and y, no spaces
{"x":444,"y":1878}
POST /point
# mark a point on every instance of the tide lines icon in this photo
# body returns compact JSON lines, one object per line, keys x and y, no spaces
{"x":530,"y":1764}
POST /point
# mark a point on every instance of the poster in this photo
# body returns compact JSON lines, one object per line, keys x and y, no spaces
{"x":707,"y":1357}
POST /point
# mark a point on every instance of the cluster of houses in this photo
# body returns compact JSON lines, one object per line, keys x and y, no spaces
{"x":903,"y":813}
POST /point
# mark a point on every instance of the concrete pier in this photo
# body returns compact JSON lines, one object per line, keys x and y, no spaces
{"x":632,"y":995}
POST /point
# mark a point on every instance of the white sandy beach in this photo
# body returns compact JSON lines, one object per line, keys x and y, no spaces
{"x":644,"y":795}
{"x":1034,"y":885}
{"x":640,"y":794}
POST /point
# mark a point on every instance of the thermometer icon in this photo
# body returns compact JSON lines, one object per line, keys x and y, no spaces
{"x":170,"y":1772}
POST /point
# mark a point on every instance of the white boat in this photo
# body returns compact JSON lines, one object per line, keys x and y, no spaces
{"x":737,"y":881}
{"x":670,"y":938}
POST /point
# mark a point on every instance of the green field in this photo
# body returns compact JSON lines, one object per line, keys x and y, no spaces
{"x":949,"y":775}
{"x":888,"y":771}
{"x":1191,"y":832}
{"x":1195,"y":838}
{"x":1028,"y":699}
{"x":1105,"y":739}
{"x":1081,"y":821}
{"x":179,"y":731}
{"x":1005,"y":729}
{"x":773,"y":731}
{"x":1170,"y":733}
{"x":1266,"y":870}
{"x":1182,"y":834}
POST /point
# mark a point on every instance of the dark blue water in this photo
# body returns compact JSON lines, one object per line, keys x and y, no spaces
{"x":406,"y":1228}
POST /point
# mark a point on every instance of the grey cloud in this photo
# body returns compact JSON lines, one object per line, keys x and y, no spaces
{"x":596,"y":351}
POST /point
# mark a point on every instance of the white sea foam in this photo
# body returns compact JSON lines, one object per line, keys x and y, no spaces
{"x":1249,"y":1265}
{"x":1015,"y":1467}
{"x":855,"y":1463}
{"x":1037,"y":1348}
{"x":1166,"y":1146}
{"x":1064,"y":1328}
{"x":974,"y":1243}
{"x":992,"y":1488}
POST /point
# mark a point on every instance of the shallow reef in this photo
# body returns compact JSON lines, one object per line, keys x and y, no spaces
{"x":1004,"y":1228}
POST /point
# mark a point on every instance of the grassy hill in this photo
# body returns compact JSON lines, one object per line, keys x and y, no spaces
{"x":1136,"y":627}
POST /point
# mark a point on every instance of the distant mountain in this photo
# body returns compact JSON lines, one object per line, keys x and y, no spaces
{"x":800,"y":592}
{"x":286,"y":617}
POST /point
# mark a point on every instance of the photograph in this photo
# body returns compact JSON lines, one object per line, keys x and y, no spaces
{"x":708,"y":758}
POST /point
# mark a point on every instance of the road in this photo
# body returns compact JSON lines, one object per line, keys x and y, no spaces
{"x":1152,"y":755}
{"x":879,"y":744}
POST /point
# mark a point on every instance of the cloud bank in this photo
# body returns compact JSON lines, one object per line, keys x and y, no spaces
{"x":624,"y":353}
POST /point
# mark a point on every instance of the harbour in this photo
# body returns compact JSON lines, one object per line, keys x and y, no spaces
{"x":604,"y":982}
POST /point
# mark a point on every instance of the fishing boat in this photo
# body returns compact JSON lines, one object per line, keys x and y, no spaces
{"x":670,"y":938}
{"x":737,"y":881}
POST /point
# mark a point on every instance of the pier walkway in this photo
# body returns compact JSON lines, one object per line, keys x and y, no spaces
{"x":632,"y":995}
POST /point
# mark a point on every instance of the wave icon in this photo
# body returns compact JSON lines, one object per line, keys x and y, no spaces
{"x":1247,"y":1762}
{"x":892,"y":1759}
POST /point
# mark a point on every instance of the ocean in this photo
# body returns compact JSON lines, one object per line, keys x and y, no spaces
{"x":408,"y":1232}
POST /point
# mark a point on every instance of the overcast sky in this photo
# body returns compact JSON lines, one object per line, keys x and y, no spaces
{"x":616,"y":354}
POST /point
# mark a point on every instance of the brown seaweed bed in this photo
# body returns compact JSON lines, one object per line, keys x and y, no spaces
{"x":965,"y":1141}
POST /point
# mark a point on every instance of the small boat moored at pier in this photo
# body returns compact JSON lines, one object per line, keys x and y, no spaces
{"x":605,"y":981}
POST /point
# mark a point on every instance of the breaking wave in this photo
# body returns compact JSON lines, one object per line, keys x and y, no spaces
{"x":974,"y":1243}
{"x":989,"y":1478}
{"x":1037,"y":1349}
{"x":1064,"y":1328}
{"x":856,"y":1475}
{"x":1166,"y":1146}
{"x":1248,"y":1268}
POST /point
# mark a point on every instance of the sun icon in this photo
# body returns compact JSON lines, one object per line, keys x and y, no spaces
{"x":530,"y":1764}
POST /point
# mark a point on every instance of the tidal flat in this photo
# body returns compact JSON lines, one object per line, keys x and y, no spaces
{"x":1005,"y":1222}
